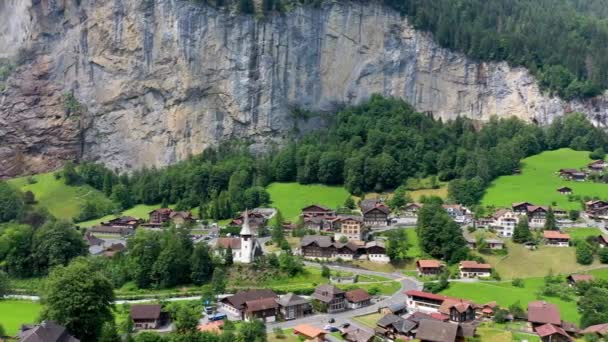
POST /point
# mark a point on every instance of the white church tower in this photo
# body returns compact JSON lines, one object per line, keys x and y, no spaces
{"x":247,"y":243}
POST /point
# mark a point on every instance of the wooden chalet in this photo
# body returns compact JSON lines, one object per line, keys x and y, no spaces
{"x":316,"y":210}
{"x":473,"y":269}
{"x":597,"y":165}
{"x":564,"y":190}
{"x":375,"y":212}
{"x":520,"y":208}
{"x":429,"y":267}
{"x":574,"y":279}
{"x":333,"y":297}
{"x":292,"y":306}
{"x":160,"y":216}
{"x":326,"y":248}
{"x":573,"y":174}
{"x":411,"y":209}
{"x":556,"y":239}
{"x":146,"y":316}
{"x":251,"y":304}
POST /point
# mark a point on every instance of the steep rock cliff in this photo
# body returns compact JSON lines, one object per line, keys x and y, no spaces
{"x":163,"y":79}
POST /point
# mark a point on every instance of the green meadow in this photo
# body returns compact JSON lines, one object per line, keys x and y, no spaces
{"x":290,"y":198}
{"x":61,"y":200}
{"x":506,"y":294}
{"x":538,"y":182}
{"x":13,"y":313}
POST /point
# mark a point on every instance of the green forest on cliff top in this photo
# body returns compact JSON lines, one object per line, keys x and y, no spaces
{"x":564,"y":43}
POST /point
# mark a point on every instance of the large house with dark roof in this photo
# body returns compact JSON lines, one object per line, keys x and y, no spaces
{"x":375,"y":212}
{"x":541,"y":312}
{"x":146,"y":316}
{"x":357,"y":298}
{"x":46,"y":331}
{"x":326,"y":248}
{"x":429,"y":267}
{"x":292,"y":306}
{"x":332,"y":297}
{"x":250,"y":304}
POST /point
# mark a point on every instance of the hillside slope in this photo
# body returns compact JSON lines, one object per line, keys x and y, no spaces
{"x":156,"y":81}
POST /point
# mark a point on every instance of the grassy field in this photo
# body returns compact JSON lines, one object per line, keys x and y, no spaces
{"x":368,"y":320}
{"x":290,"y":198}
{"x":538,"y":181}
{"x":583,"y":233}
{"x":13,"y":313}
{"x":504,"y":332}
{"x":506,"y":294}
{"x":61,"y":200}
{"x":524,"y":263}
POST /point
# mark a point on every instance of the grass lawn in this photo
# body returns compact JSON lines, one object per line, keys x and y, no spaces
{"x":290,"y":198}
{"x":506,"y":294}
{"x":61,"y":200}
{"x":414,"y":250}
{"x":13,"y":313}
{"x":369,"y":320}
{"x":417,"y":194}
{"x":583,"y":233}
{"x":538,"y":181}
{"x":524,"y":263}
{"x":287,"y":336}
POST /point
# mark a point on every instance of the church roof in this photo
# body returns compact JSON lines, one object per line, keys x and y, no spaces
{"x":246,"y":230}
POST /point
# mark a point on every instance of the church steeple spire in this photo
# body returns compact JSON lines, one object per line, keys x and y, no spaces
{"x":246,"y":230}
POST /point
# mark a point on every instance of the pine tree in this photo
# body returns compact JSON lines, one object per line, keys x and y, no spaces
{"x":550,"y":223}
{"x":521,"y":233}
{"x":228,"y":259}
{"x":246,"y":6}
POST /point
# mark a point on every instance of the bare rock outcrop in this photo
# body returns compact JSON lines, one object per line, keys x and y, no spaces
{"x":163,"y":79}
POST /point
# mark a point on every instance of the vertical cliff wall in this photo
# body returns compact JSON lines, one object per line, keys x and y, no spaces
{"x":162,"y":79}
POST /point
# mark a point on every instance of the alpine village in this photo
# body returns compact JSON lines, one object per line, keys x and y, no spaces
{"x":303,"y":170}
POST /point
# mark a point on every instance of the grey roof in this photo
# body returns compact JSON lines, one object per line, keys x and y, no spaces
{"x":321,"y":240}
{"x":396,"y":307}
{"x":291,"y":299}
{"x":466,"y":330}
{"x":404,"y":326}
{"x":388,"y":319}
{"x":145,"y":311}
{"x":436,"y":331}
{"x":47,"y":331}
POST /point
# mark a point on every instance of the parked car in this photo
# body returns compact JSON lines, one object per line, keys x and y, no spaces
{"x":331,"y":320}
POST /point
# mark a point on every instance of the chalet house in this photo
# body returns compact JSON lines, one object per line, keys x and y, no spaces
{"x":46,"y":331}
{"x":484,"y":222}
{"x":411,"y":210}
{"x":318,"y":223}
{"x":309,"y":333}
{"x":326,"y":248}
{"x":487,"y":310}
{"x":457,"y":212}
{"x":352,"y":227}
{"x":574,"y":279}
{"x":264,"y":309}
{"x":237,"y":307}
{"x":597,"y":166}
{"x":439,"y":306}
{"x":458,"y":310}
{"x":504,"y":222}
{"x":181,"y":218}
{"x":160,"y":215}
{"x":541,"y":312}
{"x":564,"y":190}
{"x":436,"y":331}
{"x":124,"y":222}
{"x":331,"y":296}
{"x":292,"y":306}
{"x":520,"y":208}
{"x":573,"y":175}
{"x":146,"y":316}
{"x":494,"y":244}
{"x":355,"y":334}
{"x":109,"y":230}
{"x":375,"y":212}
{"x":316,"y":210}
{"x":473,"y":269}
{"x":552,"y":333}
{"x":537,"y":215}
{"x":92,"y":240}
{"x":357,"y":298}
{"x":556,"y":239}
{"x":429,"y":267}
{"x":395,"y":327}
{"x":595,"y":204}
{"x":257,"y":221}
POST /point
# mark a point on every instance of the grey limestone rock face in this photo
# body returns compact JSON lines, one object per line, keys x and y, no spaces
{"x":164,"y":79}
